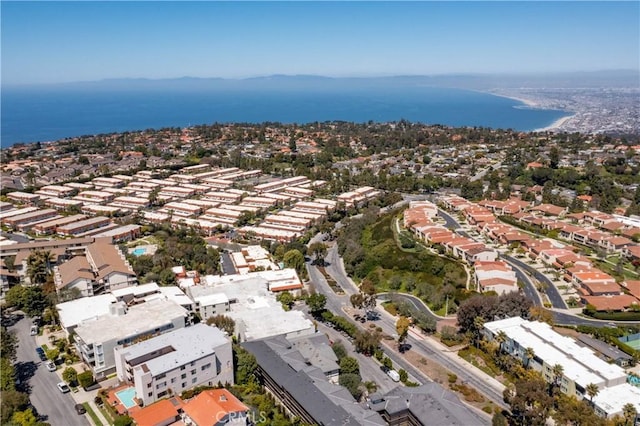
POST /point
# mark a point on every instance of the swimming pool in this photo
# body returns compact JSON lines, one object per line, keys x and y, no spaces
{"x":126,"y":397}
{"x":139,"y":251}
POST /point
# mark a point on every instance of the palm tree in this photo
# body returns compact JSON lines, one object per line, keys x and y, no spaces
{"x":39,"y":266}
{"x":529,"y":354}
{"x":478,"y":325}
{"x":592,"y":390}
{"x":501,"y":337}
{"x":557,"y":372}
{"x":629,"y":412}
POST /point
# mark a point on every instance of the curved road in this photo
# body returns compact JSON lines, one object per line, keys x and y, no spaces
{"x":423,"y":346}
{"x":559,"y":317}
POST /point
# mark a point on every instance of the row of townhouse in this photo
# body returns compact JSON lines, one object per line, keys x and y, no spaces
{"x":287,"y":225}
{"x":540,"y":348}
{"x":490,"y":274}
{"x":358,"y":195}
{"x":280,"y":184}
{"x":576,"y":269}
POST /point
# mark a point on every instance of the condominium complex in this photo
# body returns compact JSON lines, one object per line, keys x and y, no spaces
{"x":580,"y":365}
{"x":96,"y":338}
{"x":174,"y":362}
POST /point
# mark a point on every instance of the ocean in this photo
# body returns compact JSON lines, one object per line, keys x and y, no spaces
{"x":31,"y":114}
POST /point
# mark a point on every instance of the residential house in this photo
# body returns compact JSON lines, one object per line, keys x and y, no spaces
{"x":215,"y":407}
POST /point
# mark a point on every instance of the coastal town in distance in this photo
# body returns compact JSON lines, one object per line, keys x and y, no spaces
{"x":323,"y":273}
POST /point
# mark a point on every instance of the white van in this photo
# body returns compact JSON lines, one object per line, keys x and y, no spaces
{"x":34,"y":330}
{"x":394,"y":375}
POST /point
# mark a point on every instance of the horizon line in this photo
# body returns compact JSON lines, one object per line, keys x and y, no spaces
{"x":329,"y":77}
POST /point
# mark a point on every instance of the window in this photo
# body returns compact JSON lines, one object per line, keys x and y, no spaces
{"x":182,"y":368}
{"x":204,"y":367}
{"x":173,"y":380}
{"x":150,"y":394}
{"x":149,"y":385}
{"x":195,"y":379}
{"x":193,"y":372}
{"x":193,"y":363}
{"x":183,"y":376}
{"x":184,"y":385}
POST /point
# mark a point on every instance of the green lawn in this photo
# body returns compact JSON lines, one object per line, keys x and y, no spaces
{"x":92,"y":414}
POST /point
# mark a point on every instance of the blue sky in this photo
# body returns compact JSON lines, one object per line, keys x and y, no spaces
{"x":44,"y":42}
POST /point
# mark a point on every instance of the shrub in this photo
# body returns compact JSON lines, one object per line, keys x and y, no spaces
{"x":70,"y":375}
{"x":86,"y":379}
{"x":452,"y":378}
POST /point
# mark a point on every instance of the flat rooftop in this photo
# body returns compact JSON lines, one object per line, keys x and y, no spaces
{"x":74,"y":312}
{"x":138,"y":319}
{"x":188,"y":344}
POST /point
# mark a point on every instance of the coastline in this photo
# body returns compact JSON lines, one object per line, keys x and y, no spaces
{"x":527,"y":102}
{"x":556,"y":125}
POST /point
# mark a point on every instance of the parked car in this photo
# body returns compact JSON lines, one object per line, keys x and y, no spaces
{"x":34,"y":330}
{"x":41,"y":354}
{"x":80,"y":408}
{"x":63,"y":387}
{"x":51,"y":366}
{"x":395,"y":376}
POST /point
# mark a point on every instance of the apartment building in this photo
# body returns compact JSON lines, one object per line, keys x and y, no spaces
{"x":358,"y":195}
{"x":14,"y":222}
{"x":265,"y":233}
{"x":176,"y":361}
{"x":107,"y":182}
{"x":24,"y":198}
{"x":94,"y":197}
{"x":134,"y":203}
{"x":77,"y":228}
{"x":281,"y":184}
{"x":222,"y":197}
{"x":581,"y":366}
{"x":96,"y":338}
{"x":62,"y":203}
{"x":56,"y":191}
{"x":101,"y":269}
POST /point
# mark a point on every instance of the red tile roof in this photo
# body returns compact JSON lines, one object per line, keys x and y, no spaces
{"x":211,"y":406}
{"x":159,"y":413}
{"x":611,"y":303}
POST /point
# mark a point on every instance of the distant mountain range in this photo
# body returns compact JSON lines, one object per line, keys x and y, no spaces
{"x":593,"y":79}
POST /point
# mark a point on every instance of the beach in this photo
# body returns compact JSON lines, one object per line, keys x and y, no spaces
{"x":556,"y":125}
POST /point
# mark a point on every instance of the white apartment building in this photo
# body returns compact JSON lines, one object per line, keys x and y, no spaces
{"x":174,"y":362}
{"x":96,"y":338}
{"x":580,"y":365}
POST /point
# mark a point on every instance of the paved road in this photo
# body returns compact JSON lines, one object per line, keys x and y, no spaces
{"x":476,"y":378}
{"x":227,"y":264}
{"x":335,"y":268}
{"x":55,"y":407}
{"x":529,"y":286}
{"x":413,"y":301}
{"x":552,"y":292}
{"x":450,"y":222}
{"x":428,"y":349}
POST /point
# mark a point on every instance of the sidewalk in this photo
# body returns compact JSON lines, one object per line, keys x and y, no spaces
{"x":452,"y":354}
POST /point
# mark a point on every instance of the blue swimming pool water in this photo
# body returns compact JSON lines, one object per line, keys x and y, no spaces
{"x":139,"y":251}
{"x":126,"y":397}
